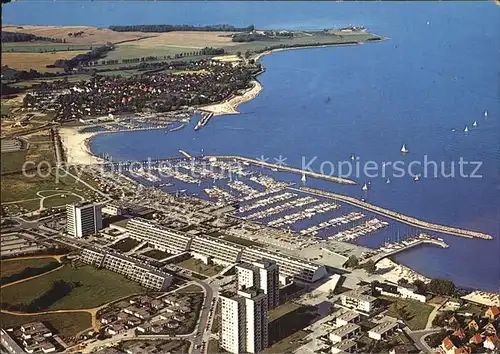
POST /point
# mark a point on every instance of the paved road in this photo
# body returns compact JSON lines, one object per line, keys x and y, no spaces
{"x":419,"y":338}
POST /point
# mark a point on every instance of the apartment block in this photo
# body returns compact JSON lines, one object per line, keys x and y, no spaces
{"x":244,"y":317}
{"x":358,"y":301}
{"x":159,"y":236}
{"x":220,"y":251}
{"x":263,"y":275}
{"x":294,"y":267}
{"x":83,"y":219}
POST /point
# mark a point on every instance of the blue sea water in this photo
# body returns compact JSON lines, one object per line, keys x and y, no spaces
{"x":437,"y":73}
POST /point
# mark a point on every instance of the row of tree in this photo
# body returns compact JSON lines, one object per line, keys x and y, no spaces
{"x":27,"y":37}
{"x":171,"y":28}
{"x":84,"y":59}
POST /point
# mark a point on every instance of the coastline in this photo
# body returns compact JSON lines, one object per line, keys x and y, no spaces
{"x":392,"y":271}
{"x":76,"y":146}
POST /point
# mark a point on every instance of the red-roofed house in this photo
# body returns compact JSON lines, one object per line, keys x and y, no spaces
{"x":463,"y":350}
{"x":459,"y":333}
{"x":491,"y":343}
{"x":448,"y":346}
{"x":489,"y":329}
{"x":476,"y":339}
{"x":492,"y":312}
{"x":473,"y":324}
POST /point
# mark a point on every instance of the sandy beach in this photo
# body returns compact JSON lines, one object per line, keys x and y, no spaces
{"x":75,"y":146}
{"x":484,"y":298}
{"x":392,"y":272}
{"x":230,"y":106}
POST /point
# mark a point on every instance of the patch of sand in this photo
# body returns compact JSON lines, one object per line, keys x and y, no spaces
{"x":484,"y":298}
{"x":37,"y":61}
{"x":392,"y":272}
{"x":230,"y":106}
{"x":75,"y":146}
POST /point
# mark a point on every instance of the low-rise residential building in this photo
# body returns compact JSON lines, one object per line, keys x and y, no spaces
{"x":358,"y":301}
{"x":492,"y":313}
{"x":346,"y":346}
{"x":347,"y":317}
{"x":9,"y":343}
{"x":492,"y":342}
{"x":383,"y":330}
{"x":345,"y":332}
{"x":399,"y":291}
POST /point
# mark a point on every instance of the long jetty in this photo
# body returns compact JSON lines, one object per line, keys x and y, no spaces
{"x":411,"y":244}
{"x":395,"y":215}
{"x":282,"y":168}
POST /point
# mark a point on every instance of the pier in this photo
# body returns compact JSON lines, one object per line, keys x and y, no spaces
{"x":395,"y":215}
{"x":246,"y":160}
{"x":185,"y":154}
{"x":423,"y":239}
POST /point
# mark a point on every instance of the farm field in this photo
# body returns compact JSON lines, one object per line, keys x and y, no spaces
{"x":37,"y":61}
{"x":40,"y":47}
{"x":95,"y":287}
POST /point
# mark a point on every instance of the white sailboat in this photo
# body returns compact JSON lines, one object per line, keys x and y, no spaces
{"x":303,"y":179}
{"x":388,"y":181}
{"x":365,"y":187}
{"x":466,"y":129}
{"x":404,"y":149}
{"x":486,"y":113}
{"x":417,"y":178}
{"x":353,"y":157}
{"x":474,"y":124}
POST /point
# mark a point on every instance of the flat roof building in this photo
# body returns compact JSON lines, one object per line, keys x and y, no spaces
{"x":219,"y":250}
{"x":382,"y":330}
{"x":263,"y":275}
{"x":159,"y":236}
{"x":83,"y":219}
{"x":344,"y":332}
{"x":347,"y":317}
{"x":358,"y":301}
{"x":346,"y":346}
{"x":294,"y":267}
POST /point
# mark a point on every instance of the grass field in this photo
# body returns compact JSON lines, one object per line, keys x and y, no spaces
{"x":156,"y":254}
{"x":198,"y":266}
{"x":58,"y":200}
{"x":14,"y":266}
{"x":5,"y":109}
{"x":126,"y":244}
{"x":97,"y":287}
{"x":65,"y":324}
{"x":12,"y":161}
{"x":193,"y":288}
{"x":417,"y":312}
{"x":37,"y":61}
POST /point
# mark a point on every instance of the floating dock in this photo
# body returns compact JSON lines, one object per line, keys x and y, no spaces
{"x":395,"y":215}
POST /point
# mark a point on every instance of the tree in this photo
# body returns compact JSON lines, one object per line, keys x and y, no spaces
{"x":403,"y":281}
{"x":247,"y":54}
{"x":420,"y":285}
{"x":238,"y":53}
{"x":441,"y":287}
{"x":370,"y":266}
{"x":352,"y":262}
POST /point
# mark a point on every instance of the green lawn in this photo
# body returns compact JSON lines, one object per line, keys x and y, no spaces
{"x":241,"y":241}
{"x":126,"y":244}
{"x":64,"y":324}
{"x":59,"y":200}
{"x":198,"y":266}
{"x":14,"y":266}
{"x":5,"y":109}
{"x":417,"y":312}
{"x":156,"y":254}
{"x":193,"y":288}
{"x":282,"y":310}
{"x":12,"y":161}
{"x":98,"y":286}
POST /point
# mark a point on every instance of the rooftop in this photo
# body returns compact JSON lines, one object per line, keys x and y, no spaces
{"x":344,"y":330}
{"x":384,"y":327}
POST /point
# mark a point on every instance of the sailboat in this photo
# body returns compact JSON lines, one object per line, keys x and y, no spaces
{"x":474,"y":124}
{"x":353,"y":157}
{"x":365,"y":187}
{"x":466,"y":129}
{"x":404,"y":149}
{"x":303,"y":179}
{"x":486,"y":113}
{"x":388,"y":181}
{"x":417,"y":178}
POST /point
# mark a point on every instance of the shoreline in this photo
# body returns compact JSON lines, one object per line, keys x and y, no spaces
{"x":393,"y":271}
